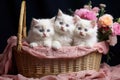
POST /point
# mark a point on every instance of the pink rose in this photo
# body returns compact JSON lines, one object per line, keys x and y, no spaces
{"x":96,"y":9}
{"x":86,"y":14}
{"x":116,"y":28}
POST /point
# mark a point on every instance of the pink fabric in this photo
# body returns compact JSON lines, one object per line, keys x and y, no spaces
{"x":5,"y":57}
{"x":106,"y":73}
{"x":41,"y":52}
{"x":66,"y":52}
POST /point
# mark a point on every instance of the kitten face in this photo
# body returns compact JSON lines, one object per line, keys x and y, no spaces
{"x":85,"y":28}
{"x":64,"y":23}
{"x":42,"y":27}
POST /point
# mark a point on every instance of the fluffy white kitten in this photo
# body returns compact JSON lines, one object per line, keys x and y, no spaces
{"x":85,"y":33}
{"x":64,"y":27}
{"x":41,"y":32}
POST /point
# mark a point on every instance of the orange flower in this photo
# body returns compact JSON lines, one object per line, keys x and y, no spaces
{"x":105,"y":21}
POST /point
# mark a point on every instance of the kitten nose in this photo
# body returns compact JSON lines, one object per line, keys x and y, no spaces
{"x":44,"y":35}
{"x":62,"y":28}
{"x":81,"y":33}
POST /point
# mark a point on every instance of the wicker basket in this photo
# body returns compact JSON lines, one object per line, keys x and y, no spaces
{"x":31,"y":66}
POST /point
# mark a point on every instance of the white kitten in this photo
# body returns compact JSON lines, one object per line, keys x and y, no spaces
{"x":64,"y":27}
{"x":41,"y":32}
{"x":85,"y":33}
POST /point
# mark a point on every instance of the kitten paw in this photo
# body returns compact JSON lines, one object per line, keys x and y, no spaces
{"x":56,"y":45}
{"x":47,"y":45}
{"x":33,"y":44}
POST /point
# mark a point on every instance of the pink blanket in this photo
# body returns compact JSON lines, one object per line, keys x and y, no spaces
{"x":65,"y":52}
{"x":106,"y":72}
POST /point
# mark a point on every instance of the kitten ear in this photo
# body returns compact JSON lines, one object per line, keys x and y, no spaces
{"x":93,"y":23}
{"x":59,"y":13}
{"x":76,"y":18}
{"x":34,"y":21}
{"x":53,"y":19}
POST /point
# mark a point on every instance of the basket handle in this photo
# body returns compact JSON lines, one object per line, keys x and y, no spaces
{"x":22,"y":25}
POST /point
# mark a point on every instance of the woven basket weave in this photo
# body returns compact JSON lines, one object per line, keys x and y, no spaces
{"x":31,"y":66}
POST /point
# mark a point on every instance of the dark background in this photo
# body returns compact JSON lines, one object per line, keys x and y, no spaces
{"x":10,"y":9}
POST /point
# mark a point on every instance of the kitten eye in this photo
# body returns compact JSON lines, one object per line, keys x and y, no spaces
{"x":41,"y":30}
{"x":79,"y":28}
{"x":67,"y":25}
{"x":36,"y":26}
{"x":48,"y":30}
{"x":61,"y":23}
{"x":86,"y":30}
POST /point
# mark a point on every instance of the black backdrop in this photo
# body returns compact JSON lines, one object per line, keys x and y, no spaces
{"x":9,"y":17}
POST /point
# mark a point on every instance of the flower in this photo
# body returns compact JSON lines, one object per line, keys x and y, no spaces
{"x":86,"y":14}
{"x":107,"y":28}
{"x":116,"y":29}
{"x":105,"y":21}
{"x":112,"y":40}
{"x":96,"y":9}
{"x":102,"y":5}
{"x":87,"y":7}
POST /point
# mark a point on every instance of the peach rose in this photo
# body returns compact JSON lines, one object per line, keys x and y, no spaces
{"x":105,"y":21}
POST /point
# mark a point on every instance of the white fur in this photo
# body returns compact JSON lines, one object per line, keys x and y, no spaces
{"x":85,"y":38}
{"x":56,"y":44}
{"x":36,"y":37}
{"x":63,"y":32}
